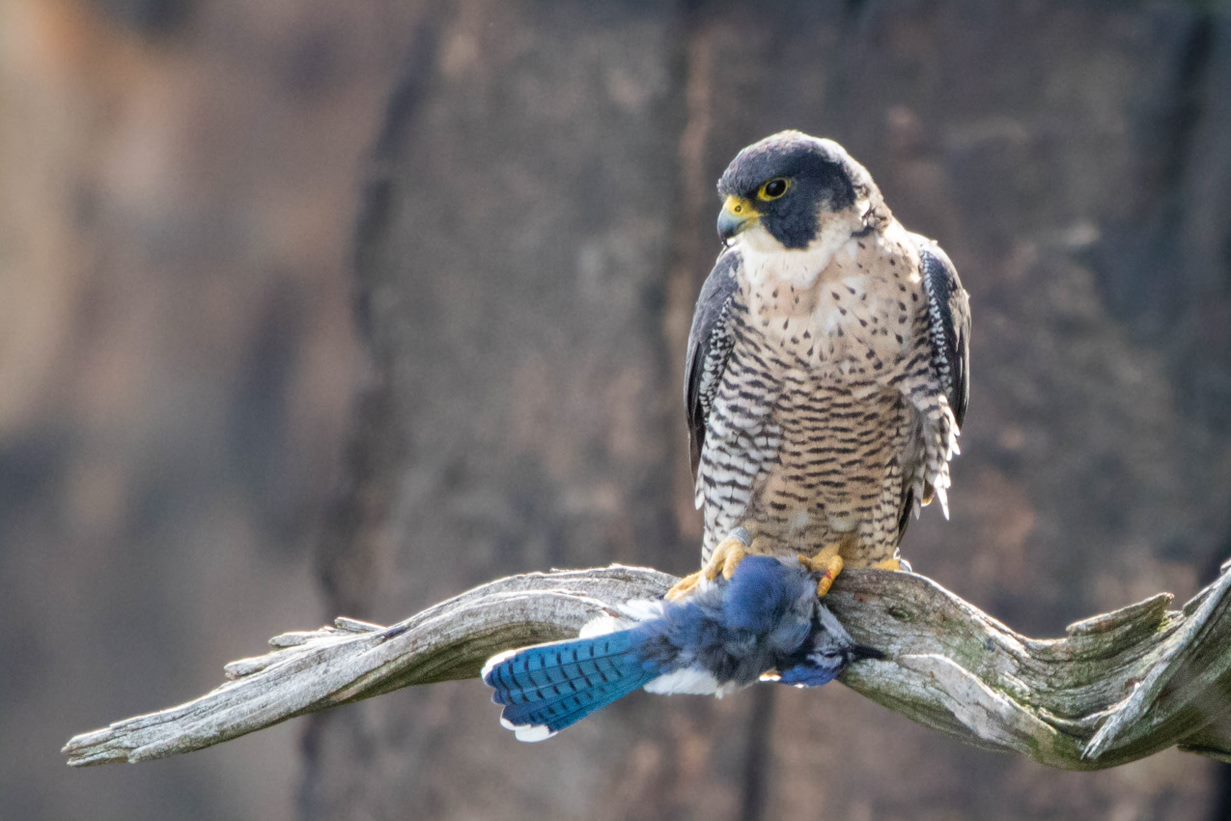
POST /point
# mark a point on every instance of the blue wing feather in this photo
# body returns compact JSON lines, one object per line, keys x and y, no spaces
{"x":809,"y":676}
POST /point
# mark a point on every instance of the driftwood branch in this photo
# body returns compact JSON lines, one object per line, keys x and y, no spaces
{"x":1117,"y":687}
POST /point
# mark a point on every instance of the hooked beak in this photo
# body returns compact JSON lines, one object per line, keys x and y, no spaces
{"x":737,"y":215}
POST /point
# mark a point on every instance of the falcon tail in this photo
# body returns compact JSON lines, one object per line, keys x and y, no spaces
{"x":548,"y":687}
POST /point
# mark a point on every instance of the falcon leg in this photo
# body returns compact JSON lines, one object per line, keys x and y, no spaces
{"x":725,"y":558}
{"x":895,"y":565}
{"x":828,"y":563}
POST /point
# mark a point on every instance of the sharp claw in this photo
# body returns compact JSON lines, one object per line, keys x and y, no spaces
{"x":726,"y":557}
{"x":731,"y":562}
{"x":822,"y":586}
{"x":828,"y":563}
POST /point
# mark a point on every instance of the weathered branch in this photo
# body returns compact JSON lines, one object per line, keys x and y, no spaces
{"x":1118,"y":687}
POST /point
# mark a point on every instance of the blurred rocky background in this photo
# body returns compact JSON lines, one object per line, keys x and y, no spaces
{"x":317,"y":307}
{"x":177,"y":364}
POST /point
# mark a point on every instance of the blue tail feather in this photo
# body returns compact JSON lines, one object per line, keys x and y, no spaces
{"x":551,"y":686}
{"x":545,"y":671}
{"x":558,"y":713}
{"x":557,"y":721}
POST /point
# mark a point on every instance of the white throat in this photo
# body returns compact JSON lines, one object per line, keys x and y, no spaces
{"x":766,"y":261}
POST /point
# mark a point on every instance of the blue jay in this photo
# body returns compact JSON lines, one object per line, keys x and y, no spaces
{"x":766,"y":622}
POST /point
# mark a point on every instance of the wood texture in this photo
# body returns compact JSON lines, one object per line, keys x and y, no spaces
{"x":1119,"y":686}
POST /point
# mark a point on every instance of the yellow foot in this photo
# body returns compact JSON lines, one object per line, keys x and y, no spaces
{"x":723,"y":561}
{"x":828,"y":563}
{"x":685,"y":587}
{"x":889,"y":564}
{"x":725,"y":558}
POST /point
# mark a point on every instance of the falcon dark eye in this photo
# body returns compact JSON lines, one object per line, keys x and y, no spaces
{"x":774,"y":189}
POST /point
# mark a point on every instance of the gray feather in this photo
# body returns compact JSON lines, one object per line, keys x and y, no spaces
{"x":709,"y":345}
{"x":948,"y":326}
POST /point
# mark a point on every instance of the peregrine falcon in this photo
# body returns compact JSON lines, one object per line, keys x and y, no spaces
{"x":828,"y":366}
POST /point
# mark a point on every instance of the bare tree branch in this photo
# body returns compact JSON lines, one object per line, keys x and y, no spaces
{"x":1117,"y":687}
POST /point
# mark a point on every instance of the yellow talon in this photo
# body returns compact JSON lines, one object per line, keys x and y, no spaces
{"x":894,"y":564}
{"x":727,"y":557}
{"x":828,"y":563}
{"x":723,"y":561}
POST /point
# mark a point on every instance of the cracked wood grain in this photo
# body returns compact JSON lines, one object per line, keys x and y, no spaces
{"x":1117,"y":687}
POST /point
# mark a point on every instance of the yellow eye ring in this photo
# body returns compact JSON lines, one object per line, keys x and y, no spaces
{"x":774,"y":189}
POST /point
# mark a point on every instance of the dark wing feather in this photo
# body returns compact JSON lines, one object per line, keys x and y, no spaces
{"x":948,"y":326}
{"x":709,"y":344}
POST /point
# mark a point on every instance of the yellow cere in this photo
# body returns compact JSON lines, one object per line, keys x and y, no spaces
{"x":740,"y":207}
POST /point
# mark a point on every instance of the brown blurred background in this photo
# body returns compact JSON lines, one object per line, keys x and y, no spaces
{"x":318,"y":307}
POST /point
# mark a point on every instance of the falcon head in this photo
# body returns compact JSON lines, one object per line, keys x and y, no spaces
{"x":792,"y":191}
